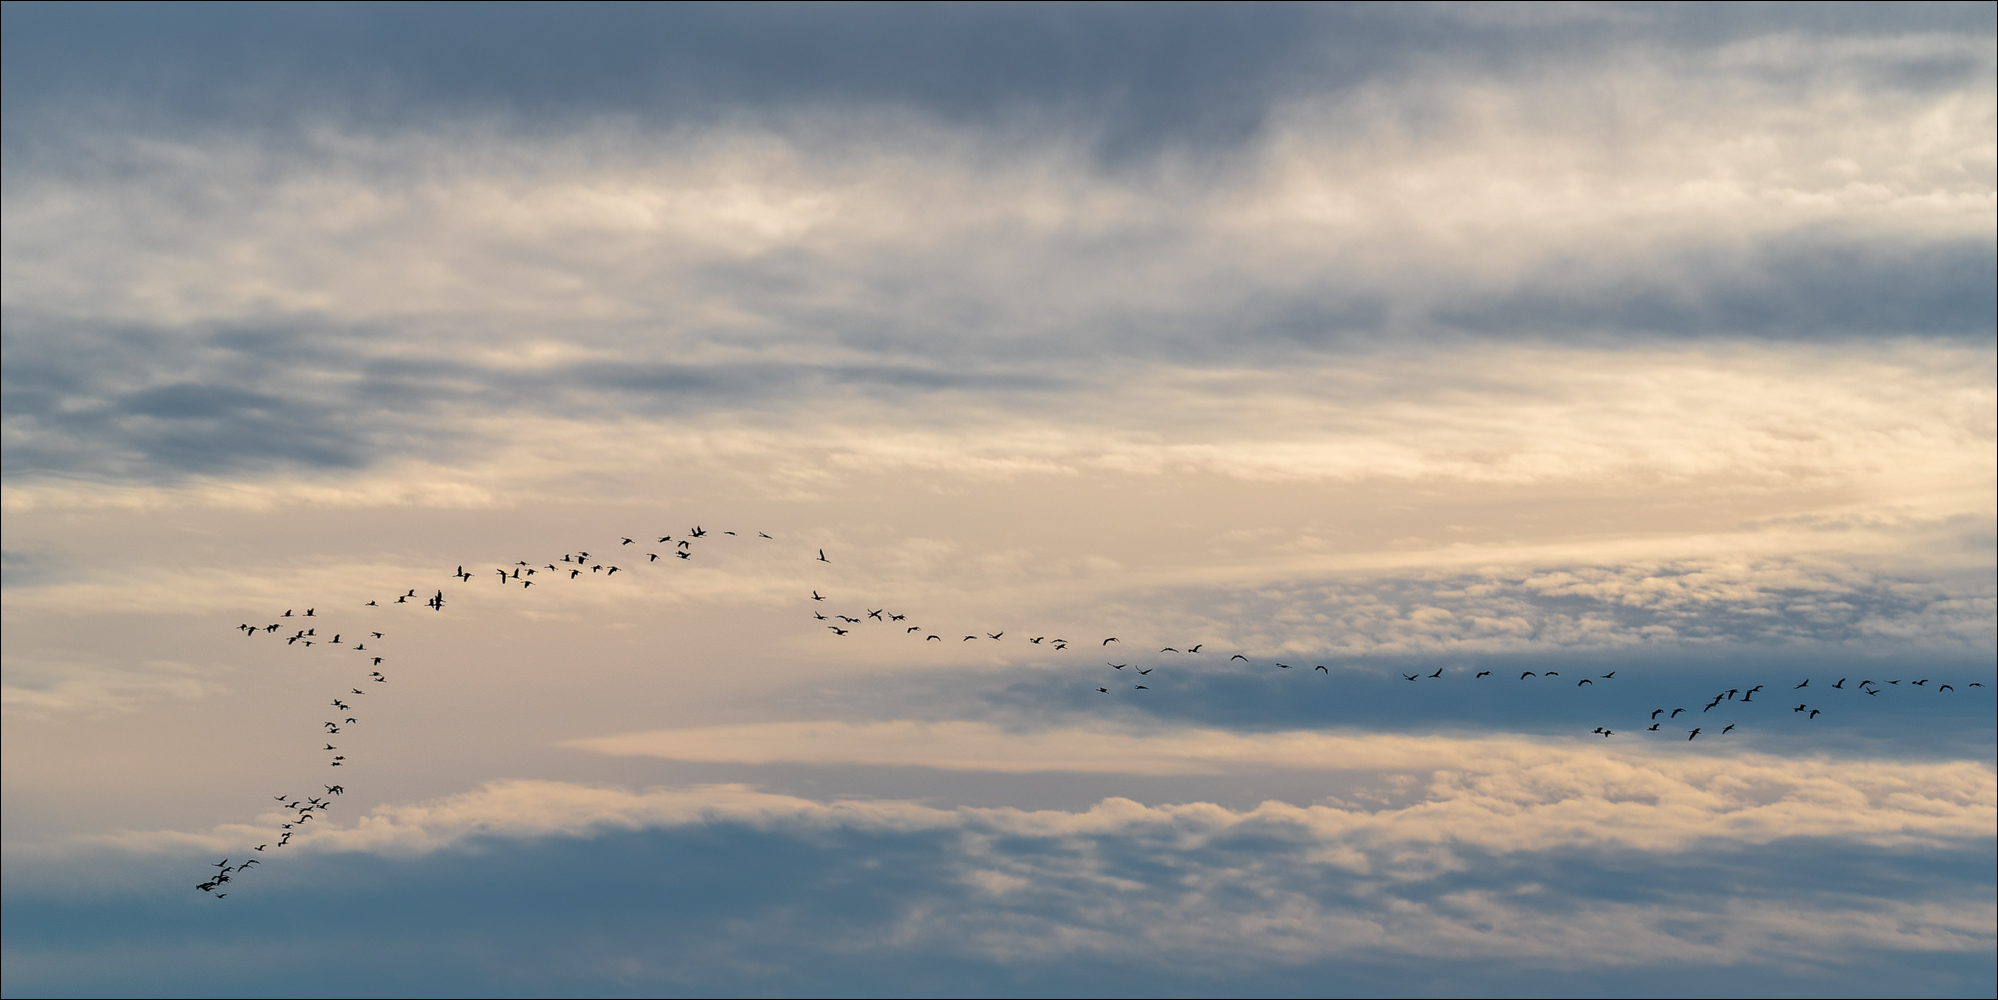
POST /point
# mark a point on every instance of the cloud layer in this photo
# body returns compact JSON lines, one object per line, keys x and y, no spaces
{"x":1648,"y":346}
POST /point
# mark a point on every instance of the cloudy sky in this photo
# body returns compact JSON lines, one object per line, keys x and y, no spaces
{"x":1431,"y":340}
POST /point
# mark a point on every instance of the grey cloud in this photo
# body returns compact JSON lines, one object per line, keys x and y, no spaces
{"x":1679,"y":604}
{"x":1370,"y":693}
{"x":1808,"y":285}
{"x":1143,"y":79}
{"x":164,"y":403}
{"x":726,"y":908}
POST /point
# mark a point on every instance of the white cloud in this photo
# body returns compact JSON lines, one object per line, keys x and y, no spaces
{"x":1494,"y":795}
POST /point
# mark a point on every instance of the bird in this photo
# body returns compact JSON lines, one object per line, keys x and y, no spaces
{"x":1527,"y":674}
{"x":1240,"y":657}
{"x":1438,"y":673}
{"x":1322,"y":667}
{"x":1813,"y":715}
{"x":1694,"y":733}
{"x":1110,"y":640}
{"x":816,"y":597}
{"x":822,"y":556}
{"x":1195,"y":648}
{"x":1655,"y":711}
{"x":1807,"y":682}
{"x":1840,"y":685}
{"x":1583,"y":681}
{"x":1724,"y":732}
{"x":1675,"y":713}
{"x":837,"y":630}
{"x":1482,"y":673}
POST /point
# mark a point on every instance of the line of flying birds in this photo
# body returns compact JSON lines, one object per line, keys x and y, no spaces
{"x":582,"y":564}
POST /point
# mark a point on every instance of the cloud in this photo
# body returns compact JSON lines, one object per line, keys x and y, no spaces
{"x":1645,"y":340}
{"x":39,"y":687}
{"x":1535,"y":856}
{"x":1494,"y":795}
{"x":250,"y":299}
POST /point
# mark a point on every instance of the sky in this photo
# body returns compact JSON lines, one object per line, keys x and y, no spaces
{"x":1463,"y":381}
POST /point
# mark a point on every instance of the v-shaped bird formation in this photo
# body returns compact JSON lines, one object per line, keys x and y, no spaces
{"x":308,"y":629}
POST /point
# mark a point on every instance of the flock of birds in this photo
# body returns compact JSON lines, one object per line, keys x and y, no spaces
{"x":580,"y":565}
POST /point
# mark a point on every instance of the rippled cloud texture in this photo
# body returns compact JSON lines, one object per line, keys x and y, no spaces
{"x":1368,"y":349}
